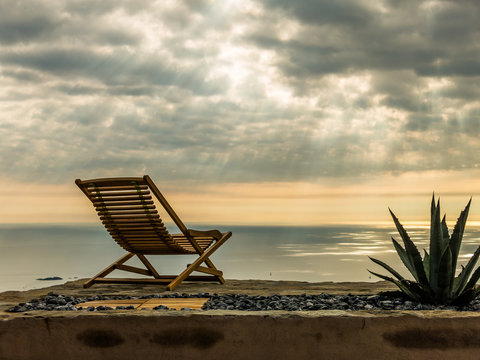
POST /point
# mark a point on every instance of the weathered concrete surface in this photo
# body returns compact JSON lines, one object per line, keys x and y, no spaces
{"x":234,"y":334}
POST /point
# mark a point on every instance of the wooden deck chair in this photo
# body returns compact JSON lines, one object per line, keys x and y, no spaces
{"x":126,"y":208}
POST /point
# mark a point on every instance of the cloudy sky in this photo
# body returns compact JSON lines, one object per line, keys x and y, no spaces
{"x":268,"y":111}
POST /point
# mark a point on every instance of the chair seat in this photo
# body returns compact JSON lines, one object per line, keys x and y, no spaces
{"x":181,"y":246}
{"x":203,"y":242}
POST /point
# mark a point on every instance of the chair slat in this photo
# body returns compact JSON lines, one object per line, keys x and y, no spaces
{"x":130,"y":221}
{"x":118,"y":188}
{"x":153,"y":236}
{"x":129,"y":217}
{"x":124,"y":203}
{"x":134,"y":233}
{"x":117,"y":193}
{"x":112,"y":182}
{"x":123,"y":209}
{"x":126,"y":231}
{"x":127,"y":213}
{"x":142,"y":226}
{"x":99,"y":199}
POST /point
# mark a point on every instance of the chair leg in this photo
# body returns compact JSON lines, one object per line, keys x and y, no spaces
{"x":210,"y":265}
{"x":148,"y":265}
{"x":202,"y":258}
{"x":108,"y":269}
{"x":212,"y":271}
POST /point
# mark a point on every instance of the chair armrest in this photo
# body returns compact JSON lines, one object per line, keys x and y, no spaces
{"x":213,"y":233}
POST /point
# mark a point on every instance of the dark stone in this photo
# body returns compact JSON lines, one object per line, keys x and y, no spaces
{"x":49,"y":278}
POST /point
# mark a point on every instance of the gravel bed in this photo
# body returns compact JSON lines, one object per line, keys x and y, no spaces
{"x":56,"y":302}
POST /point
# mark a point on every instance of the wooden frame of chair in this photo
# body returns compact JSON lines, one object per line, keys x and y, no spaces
{"x":126,"y":209}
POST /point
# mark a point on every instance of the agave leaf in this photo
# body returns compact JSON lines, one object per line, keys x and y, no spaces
{"x":403,"y":286}
{"x":445,"y":277}
{"x":457,"y":234}
{"x":465,"y":274}
{"x":388,"y":268}
{"x":432,"y":210}
{"x":415,"y":291}
{"x":456,"y":281}
{"x":464,"y":298}
{"x":426,"y":263}
{"x":405,"y":259}
{"x":436,"y":241}
{"x":446,"y":236}
{"x":461,"y":271}
{"x":473,"y":280}
{"x":412,"y":252}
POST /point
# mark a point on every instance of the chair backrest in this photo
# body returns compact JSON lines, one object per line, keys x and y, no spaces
{"x":126,"y":208}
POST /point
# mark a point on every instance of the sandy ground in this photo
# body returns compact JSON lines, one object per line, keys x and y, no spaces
{"x":249,"y":287}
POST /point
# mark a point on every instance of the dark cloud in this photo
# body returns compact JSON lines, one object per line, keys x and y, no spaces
{"x":24,"y":21}
{"x":344,"y":36}
{"x":463,"y":89}
{"x":346,"y":13}
{"x":422,"y":122}
{"x":88,"y":8}
{"x":452,"y":67}
{"x":118,"y":68}
{"x":22,"y":75}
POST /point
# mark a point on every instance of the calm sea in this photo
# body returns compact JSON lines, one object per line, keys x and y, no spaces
{"x":324,"y":253}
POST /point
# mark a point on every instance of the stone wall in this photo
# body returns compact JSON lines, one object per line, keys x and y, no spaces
{"x":239,"y":335}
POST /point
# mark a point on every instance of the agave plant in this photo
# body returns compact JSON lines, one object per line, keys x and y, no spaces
{"x":435,"y":280}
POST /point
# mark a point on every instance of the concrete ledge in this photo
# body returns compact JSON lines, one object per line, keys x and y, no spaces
{"x":241,"y":335}
{"x":231,"y":335}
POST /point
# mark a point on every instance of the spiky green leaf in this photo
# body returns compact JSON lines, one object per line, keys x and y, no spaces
{"x":457,"y":234}
{"x":445,"y":277}
{"x":432,"y":210}
{"x":473,"y":280}
{"x":412,"y":252}
{"x":436,"y":248}
{"x":405,"y":259}
{"x":464,"y":298}
{"x":388,"y":268}
{"x":446,"y":236}
{"x":426,"y":263}
{"x":465,"y":274}
{"x":403,"y":286}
